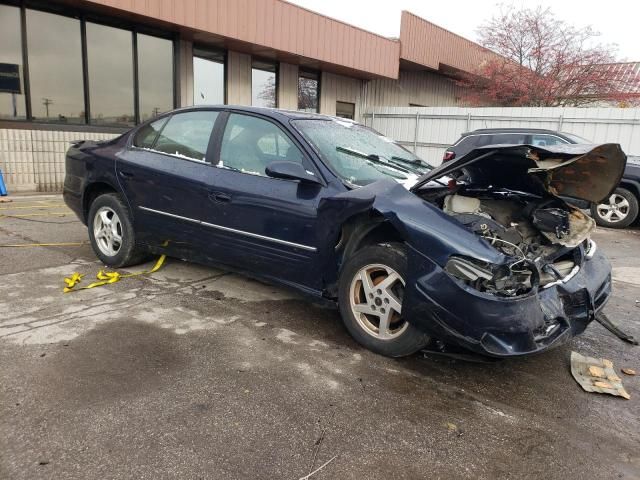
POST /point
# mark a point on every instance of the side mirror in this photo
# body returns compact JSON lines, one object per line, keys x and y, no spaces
{"x":290,"y":171}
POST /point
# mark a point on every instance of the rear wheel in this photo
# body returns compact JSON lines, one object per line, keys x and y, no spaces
{"x":618,"y":211}
{"x":111,"y":232}
{"x":371,"y":291}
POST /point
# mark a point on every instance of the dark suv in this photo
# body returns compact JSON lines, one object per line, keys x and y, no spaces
{"x":618,"y":211}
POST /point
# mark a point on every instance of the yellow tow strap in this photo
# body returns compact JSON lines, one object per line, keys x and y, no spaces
{"x":34,"y":207}
{"x":105,"y":278}
{"x":23,"y":215}
{"x":59,"y":244}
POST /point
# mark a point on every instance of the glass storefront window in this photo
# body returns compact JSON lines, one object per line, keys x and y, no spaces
{"x":208,"y":77}
{"x":12,"y":103}
{"x":308,"y":86}
{"x":55,"y":68}
{"x":264,"y":84}
{"x":54,"y":87}
{"x":109,"y":55}
{"x":155,"y":76}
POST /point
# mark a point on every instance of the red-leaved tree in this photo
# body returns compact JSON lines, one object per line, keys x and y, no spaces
{"x":543,"y":61}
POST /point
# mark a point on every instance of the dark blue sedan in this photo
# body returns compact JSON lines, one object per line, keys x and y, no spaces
{"x":480,"y":253}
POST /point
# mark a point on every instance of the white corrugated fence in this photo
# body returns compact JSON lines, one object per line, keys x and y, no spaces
{"x":430,"y":130}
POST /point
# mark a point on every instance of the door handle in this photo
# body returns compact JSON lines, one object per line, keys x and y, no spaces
{"x":124,"y":174}
{"x":219,"y":197}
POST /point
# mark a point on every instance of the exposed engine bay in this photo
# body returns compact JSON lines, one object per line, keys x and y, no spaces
{"x":513,"y":198}
{"x":540,"y":235}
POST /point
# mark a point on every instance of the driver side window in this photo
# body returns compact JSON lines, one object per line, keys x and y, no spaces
{"x":250,"y":144}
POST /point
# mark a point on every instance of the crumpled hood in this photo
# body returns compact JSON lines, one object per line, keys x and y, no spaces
{"x":586,"y":172}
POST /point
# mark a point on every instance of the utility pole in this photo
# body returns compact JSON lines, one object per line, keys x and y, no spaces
{"x":46,"y":102}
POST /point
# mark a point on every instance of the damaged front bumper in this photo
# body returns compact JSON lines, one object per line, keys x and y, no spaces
{"x":487,"y":324}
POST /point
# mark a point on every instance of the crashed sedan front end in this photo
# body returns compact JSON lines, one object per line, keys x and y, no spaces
{"x":499,"y":261}
{"x":552,"y":280}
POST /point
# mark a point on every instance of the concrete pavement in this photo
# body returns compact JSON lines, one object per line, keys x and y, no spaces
{"x":194,"y":372}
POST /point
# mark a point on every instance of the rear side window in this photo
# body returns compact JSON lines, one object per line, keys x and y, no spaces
{"x":147,"y":135}
{"x":187,"y":135}
{"x":508,"y":139}
{"x":546,"y":140}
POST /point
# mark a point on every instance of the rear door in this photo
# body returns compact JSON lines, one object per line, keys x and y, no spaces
{"x":263,"y":224}
{"x":163,"y":174}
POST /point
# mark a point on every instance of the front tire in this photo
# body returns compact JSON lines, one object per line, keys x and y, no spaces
{"x":111,"y":232}
{"x":618,"y":211}
{"x":370,"y":294}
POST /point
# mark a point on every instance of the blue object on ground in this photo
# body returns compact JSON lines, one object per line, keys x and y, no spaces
{"x":3,"y":189}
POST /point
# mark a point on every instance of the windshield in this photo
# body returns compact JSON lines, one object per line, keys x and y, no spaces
{"x":360,"y":155}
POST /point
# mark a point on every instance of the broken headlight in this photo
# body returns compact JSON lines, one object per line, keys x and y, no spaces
{"x":502,"y":280}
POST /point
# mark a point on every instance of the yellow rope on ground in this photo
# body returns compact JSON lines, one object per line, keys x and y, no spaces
{"x":61,"y":244}
{"x":22,"y":215}
{"x":33,"y":206}
{"x":105,"y":278}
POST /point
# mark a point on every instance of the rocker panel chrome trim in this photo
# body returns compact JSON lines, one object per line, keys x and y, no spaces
{"x":232,"y":230}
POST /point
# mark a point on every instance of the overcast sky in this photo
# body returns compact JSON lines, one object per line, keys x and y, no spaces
{"x":616,"y":20}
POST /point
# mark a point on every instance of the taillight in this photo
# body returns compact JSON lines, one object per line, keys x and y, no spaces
{"x":448,"y":155}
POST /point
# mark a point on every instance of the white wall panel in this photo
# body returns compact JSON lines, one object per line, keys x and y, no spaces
{"x":33,"y":160}
{"x":439,"y":127}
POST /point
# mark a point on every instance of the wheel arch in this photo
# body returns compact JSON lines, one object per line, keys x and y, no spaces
{"x":366,"y":229}
{"x":93,"y":191}
{"x":632,"y":186}
{"x":356,"y":232}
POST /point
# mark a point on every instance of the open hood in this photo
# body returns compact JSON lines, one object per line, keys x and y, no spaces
{"x":586,"y":172}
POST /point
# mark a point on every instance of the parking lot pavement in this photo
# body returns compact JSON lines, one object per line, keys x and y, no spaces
{"x":194,"y":372}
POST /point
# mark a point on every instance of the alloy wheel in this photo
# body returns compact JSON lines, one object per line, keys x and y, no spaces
{"x":107,"y":231}
{"x":615,"y":210}
{"x":376,"y":294}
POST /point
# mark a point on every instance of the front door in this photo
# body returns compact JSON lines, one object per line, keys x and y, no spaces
{"x":266,"y":225}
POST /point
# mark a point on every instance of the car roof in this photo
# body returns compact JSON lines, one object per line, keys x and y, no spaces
{"x":280,"y":114}
{"x":511,"y":130}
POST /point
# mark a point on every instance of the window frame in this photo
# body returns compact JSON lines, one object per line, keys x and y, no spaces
{"x":308,"y":162}
{"x":83,"y":17}
{"x":276,"y":72}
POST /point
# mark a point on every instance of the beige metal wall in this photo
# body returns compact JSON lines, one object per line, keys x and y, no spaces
{"x":427,"y":44}
{"x":238,"y":78}
{"x":413,"y":87}
{"x":33,"y":160}
{"x":288,"y":86}
{"x":337,"y":88}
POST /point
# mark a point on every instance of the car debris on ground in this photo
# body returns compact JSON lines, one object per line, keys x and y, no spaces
{"x":597,"y":375}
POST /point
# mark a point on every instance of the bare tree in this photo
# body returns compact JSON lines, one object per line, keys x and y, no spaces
{"x":544,"y":61}
{"x":307,"y":93}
